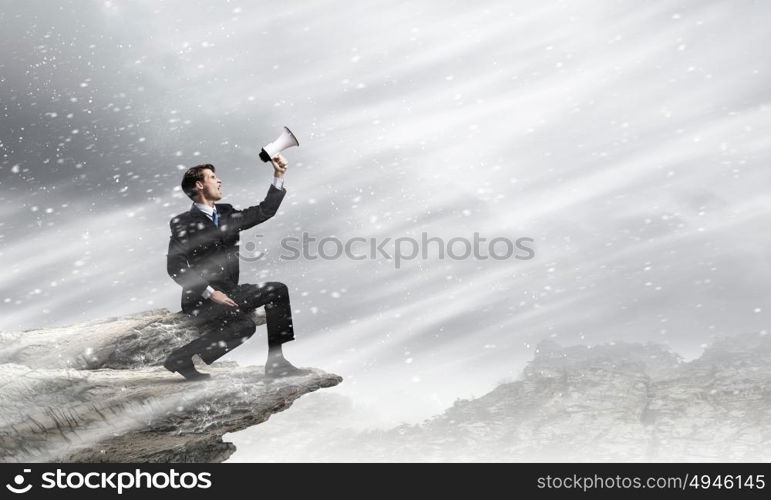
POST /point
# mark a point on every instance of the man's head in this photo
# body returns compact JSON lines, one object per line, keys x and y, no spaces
{"x":201,"y":184}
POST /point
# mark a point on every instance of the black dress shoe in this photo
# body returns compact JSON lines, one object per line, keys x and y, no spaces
{"x":185,"y":368}
{"x":283,"y":368}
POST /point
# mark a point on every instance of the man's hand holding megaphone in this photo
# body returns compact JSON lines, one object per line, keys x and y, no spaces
{"x":279,"y":166}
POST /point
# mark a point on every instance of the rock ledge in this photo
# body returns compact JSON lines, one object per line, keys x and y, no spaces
{"x":97,"y":392}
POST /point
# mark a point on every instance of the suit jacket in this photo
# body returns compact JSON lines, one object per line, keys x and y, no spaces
{"x":202,"y":254}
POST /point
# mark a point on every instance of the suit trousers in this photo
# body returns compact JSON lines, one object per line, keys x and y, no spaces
{"x":223,"y":328}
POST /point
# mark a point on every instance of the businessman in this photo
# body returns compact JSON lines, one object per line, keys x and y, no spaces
{"x":203,"y":259}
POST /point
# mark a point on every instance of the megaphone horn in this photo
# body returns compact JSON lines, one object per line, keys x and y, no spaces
{"x":285,"y":141}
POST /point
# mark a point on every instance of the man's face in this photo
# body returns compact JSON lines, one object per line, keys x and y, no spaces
{"x":210,"y":188}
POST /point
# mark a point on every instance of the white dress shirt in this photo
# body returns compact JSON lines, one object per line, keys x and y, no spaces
{"x":209,"y":211}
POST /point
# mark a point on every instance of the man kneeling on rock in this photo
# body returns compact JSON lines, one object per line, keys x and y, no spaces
{"x":203,"y":258}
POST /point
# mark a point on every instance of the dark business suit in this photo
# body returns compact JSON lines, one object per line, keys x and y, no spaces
{"x":201,"y":255}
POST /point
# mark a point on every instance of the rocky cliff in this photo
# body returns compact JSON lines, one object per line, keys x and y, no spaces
{"x":618,"y":402}
{"x":97,"y":392}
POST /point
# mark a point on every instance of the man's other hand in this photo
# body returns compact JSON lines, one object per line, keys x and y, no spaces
{"x":221,"y":298}
{"x":279,"y":166}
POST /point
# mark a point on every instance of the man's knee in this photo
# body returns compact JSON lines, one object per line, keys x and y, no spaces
{"x":273,"y":285}
{"x":276,"y":289}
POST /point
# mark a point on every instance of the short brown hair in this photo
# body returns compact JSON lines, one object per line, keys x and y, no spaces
{"x":193,"y":175}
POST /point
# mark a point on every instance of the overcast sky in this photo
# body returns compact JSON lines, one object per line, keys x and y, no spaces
{"x":629,"y":139}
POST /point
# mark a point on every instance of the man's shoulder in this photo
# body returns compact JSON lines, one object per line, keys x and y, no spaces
{"x":224,"y":208}
{"x":184,"y":222}
{"x":181,"y":218}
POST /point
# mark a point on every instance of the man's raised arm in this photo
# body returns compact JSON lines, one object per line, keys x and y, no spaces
{"x":250,"y":217}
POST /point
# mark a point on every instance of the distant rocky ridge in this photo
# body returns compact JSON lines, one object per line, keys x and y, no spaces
{"x":615,"y":402}
{"x":97,"y":392}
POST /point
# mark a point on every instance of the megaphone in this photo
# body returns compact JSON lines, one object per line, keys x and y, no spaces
{"x":285,"y":141}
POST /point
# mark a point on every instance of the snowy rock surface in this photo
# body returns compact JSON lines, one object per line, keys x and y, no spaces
{"x":97,"y":391}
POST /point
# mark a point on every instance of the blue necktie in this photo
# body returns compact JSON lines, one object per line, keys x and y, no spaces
{"x":215,"y":218}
